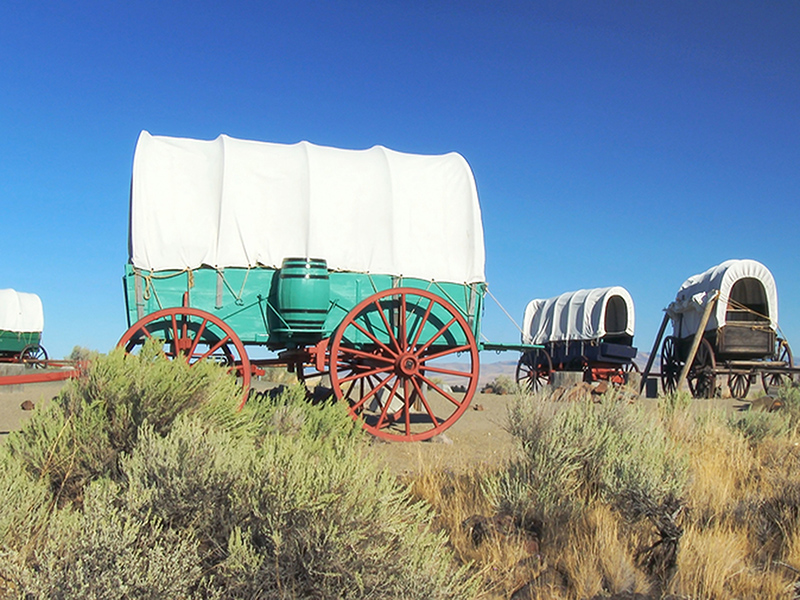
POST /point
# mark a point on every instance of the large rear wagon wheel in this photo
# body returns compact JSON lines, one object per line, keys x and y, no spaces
{"x":534,"y":370}
{"x":783,"y":354}
{"x":192,"y":335}
{"x":406,"y":363}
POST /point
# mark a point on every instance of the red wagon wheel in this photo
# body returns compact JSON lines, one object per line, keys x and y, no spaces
{"x":406,"y":362}
{"x":192,"y":335}
{"x":702,"y":377}
{"x":783,"y":355}
{"x":534,"y":370}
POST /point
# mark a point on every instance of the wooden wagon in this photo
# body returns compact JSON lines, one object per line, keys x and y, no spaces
{"x":21,"y":325}
{"x":725,"y":324}
{"x":589,"y":331}
{"x":364,"y":267}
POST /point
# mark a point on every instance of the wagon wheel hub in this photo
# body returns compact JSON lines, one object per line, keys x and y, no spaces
{"x":407,"y":364}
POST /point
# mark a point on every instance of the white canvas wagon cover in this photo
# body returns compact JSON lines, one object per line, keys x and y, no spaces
{"x":579,"y":315}
{"x":237,"y":203}
{"x":20,"y":312}
{"x":756,"y":286}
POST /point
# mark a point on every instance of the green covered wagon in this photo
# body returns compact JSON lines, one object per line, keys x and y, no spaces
{"x":363,"y":266}
{"x":21,"y":325}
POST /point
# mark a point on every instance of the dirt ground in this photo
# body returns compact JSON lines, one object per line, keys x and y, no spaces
{"x":477,"y":438}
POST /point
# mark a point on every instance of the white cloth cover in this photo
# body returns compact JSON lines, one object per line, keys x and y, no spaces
{"x":579,"y":315}
{"x":237,"y":203}
{"x":696,"y":292}
{"x":21,"y":312}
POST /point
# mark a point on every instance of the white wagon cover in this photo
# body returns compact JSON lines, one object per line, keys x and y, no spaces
{"x":572,"y":316}
{"x":20,"y":312}
{"x":237,"y":203}
{"x":698,"y":290}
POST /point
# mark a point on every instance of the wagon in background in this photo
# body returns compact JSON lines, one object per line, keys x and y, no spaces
{"x":21,"y":325}
{"x":725,"y":324}
{"x":589,"y":331}
{"x":363,"y":268}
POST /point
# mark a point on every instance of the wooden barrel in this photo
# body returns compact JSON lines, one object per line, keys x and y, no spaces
{"x":303,"y":294}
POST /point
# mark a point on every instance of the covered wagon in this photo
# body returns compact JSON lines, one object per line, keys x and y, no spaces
{"x":727,"y":315}
{"x":363,"y":265}
{"x":21,"y":325}
{"x":587,"y":330}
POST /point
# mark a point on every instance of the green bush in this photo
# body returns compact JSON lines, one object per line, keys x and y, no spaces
{"x":104,"y":551}
{"x":583,"y":451}
{"x":96,"y":417}
{"x":142,"y":481}
{"x":502,"y":385}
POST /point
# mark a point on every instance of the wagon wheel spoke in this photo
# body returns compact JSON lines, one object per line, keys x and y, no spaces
{"x":534,"y":370}
{"x":671,"y":365}
{"x":34,"y":356}
{"x":388,"y":327}
{"x":191,"y":335}
{"x":374,"y":339}
{"x":411,"y":342}
{"x":421,"y":323}
{"x":421,"y":395}
{"x":441,"y":391}
{"x":739,"y":384}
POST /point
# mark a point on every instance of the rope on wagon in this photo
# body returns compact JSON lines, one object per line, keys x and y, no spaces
{"x":739,"y":306}
{"x":488,"y":291}
{"x":237,"y":296}
{"x":149,"y":288}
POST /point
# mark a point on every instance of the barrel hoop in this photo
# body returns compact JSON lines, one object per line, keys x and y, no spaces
{"x":304,"y":276}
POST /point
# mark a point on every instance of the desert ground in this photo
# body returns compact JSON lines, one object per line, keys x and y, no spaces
{"x":478,"y":438}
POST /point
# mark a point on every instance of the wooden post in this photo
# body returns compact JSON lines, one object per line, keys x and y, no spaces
{"x":696,"y":341}
{"x":652,"y":356}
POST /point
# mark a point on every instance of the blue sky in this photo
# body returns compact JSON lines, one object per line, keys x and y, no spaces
{"x":629,"y":143}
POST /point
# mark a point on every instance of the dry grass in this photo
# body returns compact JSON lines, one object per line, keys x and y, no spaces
{"x":737,"y":522}
{"x":501,"y":554}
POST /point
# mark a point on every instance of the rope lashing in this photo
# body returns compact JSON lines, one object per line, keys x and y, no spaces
{"x":488,"y":291}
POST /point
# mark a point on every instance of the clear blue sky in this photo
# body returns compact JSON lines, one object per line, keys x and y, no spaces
{"x":629,"y":143}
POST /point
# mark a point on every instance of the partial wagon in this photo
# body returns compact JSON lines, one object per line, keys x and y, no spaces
{"x":21,"y":325}
{"x":729,"y":316}
{"x":588,"y":331}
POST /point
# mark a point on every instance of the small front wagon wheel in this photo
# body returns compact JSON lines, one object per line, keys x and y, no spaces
{"x":192,"y":335}
{"x":406,"y":363}
{"x":702,"y":376}
{"x":671,"y":365}
{"x":33,"y":355}
{"x":534,"y":370}
{"x":771,"y":381}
